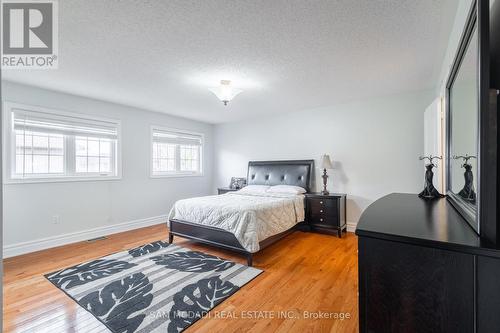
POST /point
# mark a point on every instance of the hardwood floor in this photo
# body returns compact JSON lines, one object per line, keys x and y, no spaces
{"x":305,"y":273}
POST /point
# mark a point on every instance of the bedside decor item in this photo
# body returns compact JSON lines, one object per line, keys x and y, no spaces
{"x":225,"y":92}
{"x":237,"y":183}
{"x":429,"y":191}
{"x":467,"y":192}
{"x":326,"y":163}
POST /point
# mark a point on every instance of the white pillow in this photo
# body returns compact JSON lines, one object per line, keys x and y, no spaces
{"x":286,"y":189}
{"x":254,"y":189}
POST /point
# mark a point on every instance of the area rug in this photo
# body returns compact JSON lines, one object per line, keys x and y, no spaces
{"x":157,"y":287}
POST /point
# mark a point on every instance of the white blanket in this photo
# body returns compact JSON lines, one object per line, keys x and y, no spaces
{"x":250,"y":217}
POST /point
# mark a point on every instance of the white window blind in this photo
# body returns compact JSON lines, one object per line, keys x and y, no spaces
{"x":47,"y":144}
{"x":62,"y":124}
{"x":176,"y":152}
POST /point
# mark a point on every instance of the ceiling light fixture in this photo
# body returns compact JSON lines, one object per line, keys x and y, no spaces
{"x":225,"y":92}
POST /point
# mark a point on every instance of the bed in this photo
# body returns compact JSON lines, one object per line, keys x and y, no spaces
{"x":246,"y":222}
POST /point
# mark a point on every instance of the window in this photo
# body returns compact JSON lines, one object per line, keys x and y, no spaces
{"x":39,"y":153}
{"x":93,"y":155}
{"x":48,"y":145}
{"x":175,"y":153}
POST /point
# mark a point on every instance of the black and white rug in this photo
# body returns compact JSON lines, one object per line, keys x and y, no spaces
{"x":157,"y":287}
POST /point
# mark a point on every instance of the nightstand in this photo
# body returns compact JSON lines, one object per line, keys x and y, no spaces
{"x":222,"y":190}
{"x":326,"y":213}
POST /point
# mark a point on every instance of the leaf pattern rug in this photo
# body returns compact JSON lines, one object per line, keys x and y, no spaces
{"x":156,"y":287}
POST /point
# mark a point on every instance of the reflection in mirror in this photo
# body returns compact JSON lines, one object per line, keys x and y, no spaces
{"x":464,"y":112}
{"x":468,"y":191}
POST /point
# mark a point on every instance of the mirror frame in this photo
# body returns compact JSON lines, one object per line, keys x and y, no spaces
{"x":469,"y":212}
{"x":483,"y":217}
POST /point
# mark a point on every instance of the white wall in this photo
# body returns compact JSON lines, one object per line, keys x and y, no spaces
{"x":375,"y":145}
{"x":29,"y":208}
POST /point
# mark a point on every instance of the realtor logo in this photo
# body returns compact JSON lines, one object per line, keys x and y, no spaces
{"x":29,"y":38}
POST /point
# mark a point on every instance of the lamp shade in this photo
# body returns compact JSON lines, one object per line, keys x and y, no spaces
{"x":225,"y":92}
{"x":326,"y":162}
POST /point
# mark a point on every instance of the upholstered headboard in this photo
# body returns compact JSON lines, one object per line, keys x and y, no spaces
{"x":295,"y":172}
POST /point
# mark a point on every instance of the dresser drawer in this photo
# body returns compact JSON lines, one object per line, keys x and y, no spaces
{"x":324,"y":219}
{"x":323,"y":206}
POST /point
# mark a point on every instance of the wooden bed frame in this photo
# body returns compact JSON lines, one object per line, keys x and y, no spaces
{"x":295,"y":172}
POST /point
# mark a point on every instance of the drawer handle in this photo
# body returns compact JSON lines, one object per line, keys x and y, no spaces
{"x":321,"y":202}
{"x":321,"y":210}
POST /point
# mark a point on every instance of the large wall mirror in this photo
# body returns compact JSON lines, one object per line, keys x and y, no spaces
{"x":463,"y":128}
{"x":471,"y":131}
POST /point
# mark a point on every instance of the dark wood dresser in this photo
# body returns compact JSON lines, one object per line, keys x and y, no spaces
{"x":423,"y":269}
{"x":326,"y":213}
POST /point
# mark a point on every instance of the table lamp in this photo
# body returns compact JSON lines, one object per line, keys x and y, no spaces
{"x":326,"y":163}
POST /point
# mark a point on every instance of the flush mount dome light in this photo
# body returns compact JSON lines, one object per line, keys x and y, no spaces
{"x":225,"y":92}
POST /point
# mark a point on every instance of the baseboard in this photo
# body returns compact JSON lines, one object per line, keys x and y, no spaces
{"x":351,"y":226}
{"x":54,"y":241}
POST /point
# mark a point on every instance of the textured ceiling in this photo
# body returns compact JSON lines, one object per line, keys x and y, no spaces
{"x":287,"y":55}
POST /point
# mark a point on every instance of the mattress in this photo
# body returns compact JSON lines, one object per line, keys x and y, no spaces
{"x":251,"y":217}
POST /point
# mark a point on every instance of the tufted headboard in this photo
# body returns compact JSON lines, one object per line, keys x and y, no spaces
{"x":294,"y":172}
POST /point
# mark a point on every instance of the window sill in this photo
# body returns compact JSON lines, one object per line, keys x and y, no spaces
{"x":14,"y":181}
{"x":177,"y":175}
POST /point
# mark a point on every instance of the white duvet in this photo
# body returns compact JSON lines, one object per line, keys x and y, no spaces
{"x":251,"y":217}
